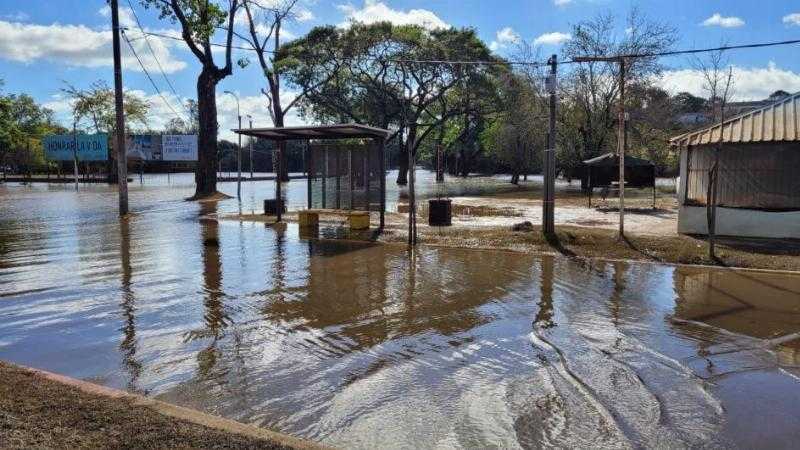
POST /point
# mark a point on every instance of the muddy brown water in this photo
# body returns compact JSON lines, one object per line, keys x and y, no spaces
{"x":370,"y":346}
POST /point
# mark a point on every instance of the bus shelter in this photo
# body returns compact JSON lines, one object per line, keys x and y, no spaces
{"x":345,"y":165}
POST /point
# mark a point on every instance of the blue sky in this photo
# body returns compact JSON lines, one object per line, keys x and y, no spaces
{"x":44,"y":43}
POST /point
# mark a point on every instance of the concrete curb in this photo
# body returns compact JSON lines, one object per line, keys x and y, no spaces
{"x":179,"y":412}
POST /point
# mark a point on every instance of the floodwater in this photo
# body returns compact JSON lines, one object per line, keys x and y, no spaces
{"x":370,"y":346}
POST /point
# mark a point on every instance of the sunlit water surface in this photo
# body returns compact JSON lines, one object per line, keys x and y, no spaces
{"x":366,"y":346}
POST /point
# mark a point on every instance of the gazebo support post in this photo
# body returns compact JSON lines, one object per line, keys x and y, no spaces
{"x":338,"y":180}
{"x":279,"y":171}
{"x":309,"y":168}
{"x":324,"y":177}
{"x":350,"y":174}
{"x":366,"y":176}
{"x":382,"y":145}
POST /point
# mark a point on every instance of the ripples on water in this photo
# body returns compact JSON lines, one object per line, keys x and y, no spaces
{"x":366,"y":346}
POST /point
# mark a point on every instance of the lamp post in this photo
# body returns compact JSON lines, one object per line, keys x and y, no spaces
{"x":250,"y":140}
{"x":239,"y":149}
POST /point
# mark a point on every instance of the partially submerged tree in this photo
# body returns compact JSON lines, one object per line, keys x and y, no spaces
{"x":518,"y":127}
{"x":199,"y":20}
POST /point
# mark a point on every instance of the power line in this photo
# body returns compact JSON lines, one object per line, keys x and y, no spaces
{"x":158,"y":91}
{"x":574,"y":61}
{"x":153,"y":52}
{"x":213,"y":44}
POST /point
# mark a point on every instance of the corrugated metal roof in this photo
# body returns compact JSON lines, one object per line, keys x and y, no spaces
{"x":778,"y":122}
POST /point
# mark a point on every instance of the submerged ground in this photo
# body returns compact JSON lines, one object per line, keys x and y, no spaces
{"x":363,"y":345}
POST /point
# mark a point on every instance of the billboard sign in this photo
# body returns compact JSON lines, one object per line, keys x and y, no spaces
{"x":91,"y":147}
{"x":179,"y":147}
{"x":146,"y":147}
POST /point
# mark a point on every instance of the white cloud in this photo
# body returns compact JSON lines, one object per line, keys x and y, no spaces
{"x":725,"y":22}
{"x":504,"y":37}
{"x":18,"y":16}
{"x":792,"y":19}
{"x":376,"y":11}
{"x":749,"y":83}
{"x":554,"y":38}
{"x":304,"y":15}
{"x":562,"y":2}
{"x":81,"y":46}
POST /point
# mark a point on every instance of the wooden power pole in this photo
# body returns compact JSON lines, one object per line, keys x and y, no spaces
{"x":622,"y":137}
{"x":548,"y":202}
{"x":622,"y":143}
{"x":119,"y":137}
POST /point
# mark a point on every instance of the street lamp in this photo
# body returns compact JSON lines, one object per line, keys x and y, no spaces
{"x":250,"y":139}
{"x":239,"y":150}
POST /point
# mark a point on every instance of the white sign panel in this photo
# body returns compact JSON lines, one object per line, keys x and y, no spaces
{"x":179,"y":147}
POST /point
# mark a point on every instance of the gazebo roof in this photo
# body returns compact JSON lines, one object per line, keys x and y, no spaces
{"x":339,"y":131}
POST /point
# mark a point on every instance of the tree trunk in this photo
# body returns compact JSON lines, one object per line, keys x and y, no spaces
{"x":205,"y":175}
{"x":402,"y":169}
{"x":402,"y":172}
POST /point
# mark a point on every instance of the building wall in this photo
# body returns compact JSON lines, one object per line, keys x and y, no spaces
{"x":740,"y":222}
{"x":753,"y":176}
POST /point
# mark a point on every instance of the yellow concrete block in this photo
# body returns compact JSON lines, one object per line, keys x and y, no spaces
{"x":359,"y":220}
{"x":307,"y":218}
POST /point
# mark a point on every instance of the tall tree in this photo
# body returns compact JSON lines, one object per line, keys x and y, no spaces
{"x":519,"y":126}
{"x":199,"y":20}
{"x":591,"y":89}
{"x":377,"y":80}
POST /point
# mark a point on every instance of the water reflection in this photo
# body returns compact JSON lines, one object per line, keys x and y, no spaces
{"x":129,"y":343}
{"x":365,"y":346}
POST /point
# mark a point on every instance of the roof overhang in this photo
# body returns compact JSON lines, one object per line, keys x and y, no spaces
{"x":338,"y":131}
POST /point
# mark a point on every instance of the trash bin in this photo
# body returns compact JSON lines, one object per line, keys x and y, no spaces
{"x":440,"y":212}
{"x":271,"y":207}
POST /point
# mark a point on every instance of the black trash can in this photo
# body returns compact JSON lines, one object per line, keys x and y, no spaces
{"x":440,"y":212}
{"x":271,"y":207}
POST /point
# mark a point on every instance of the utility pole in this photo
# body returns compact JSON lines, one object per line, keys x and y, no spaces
{"x":250,"y":139}
{"x":548,"y":201}
{"x":239,"y":149}
{"x":75,"y":151}
{"x":623,"y":144}
{"x":622,"y":135}
{"x":119,"y":142}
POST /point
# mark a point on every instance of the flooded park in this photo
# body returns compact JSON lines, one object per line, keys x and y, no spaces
{"x":368,"y":345}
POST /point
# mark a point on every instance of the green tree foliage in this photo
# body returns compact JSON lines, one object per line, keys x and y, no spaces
{"x":519,"y":126}
{"x":366,"y":74}
{"x":95,"y":104}
{"x":23,"y":124}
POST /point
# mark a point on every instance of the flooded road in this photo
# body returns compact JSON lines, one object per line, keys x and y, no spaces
{"x":365,"y":346}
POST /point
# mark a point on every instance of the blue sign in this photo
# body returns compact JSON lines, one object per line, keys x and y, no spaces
{"x":91,"y":147}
